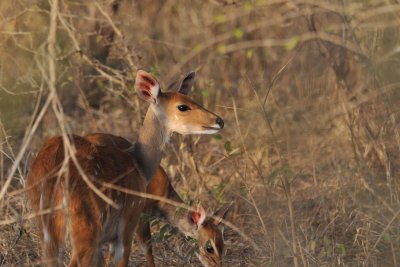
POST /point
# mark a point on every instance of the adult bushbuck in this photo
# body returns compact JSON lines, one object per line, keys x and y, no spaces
{"x":190,"y":223}
{"x":55,"y":180}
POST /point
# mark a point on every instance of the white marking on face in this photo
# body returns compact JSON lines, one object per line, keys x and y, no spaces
{"x":216,"y":126}
{"x":133,"y":204}
{"x":205,"y":131}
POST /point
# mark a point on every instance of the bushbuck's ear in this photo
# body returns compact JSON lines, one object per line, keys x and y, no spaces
{"x":187,"y":83}
{"x":222,"y":213}
{"x":147,"y":86}
{"x":199,"y":215}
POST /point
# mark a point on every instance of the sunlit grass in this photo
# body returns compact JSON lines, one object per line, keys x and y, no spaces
{"x":309,"y":92}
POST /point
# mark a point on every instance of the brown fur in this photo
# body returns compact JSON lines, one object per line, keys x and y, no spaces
{"x":93,"y":221}
{"x":161,"y":186}
{"x":195,"y":119}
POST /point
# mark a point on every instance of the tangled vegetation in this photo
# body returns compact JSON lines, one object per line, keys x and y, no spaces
{"x":309,"y":91}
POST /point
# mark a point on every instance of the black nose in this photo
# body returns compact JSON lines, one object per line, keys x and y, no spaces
{"x":220,"y":122}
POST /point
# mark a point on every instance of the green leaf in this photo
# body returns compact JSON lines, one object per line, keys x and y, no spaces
{"x":261,"y":2}
{"x":238,"y":33}
{"x":292,"y":43}
{"x":221,"y":18}
{"x":330,"y":29}
{"x":218,"y":191}
{"x":204,"y":93}
{"x":174,"y":231}
{"x":99,"y":38}
{"x":179,"y":211}
{"x":248,"y":6}
{"x":313,"y":245}
{"x":198,"y":48}
{"x":221,"y":48}
{"x":228,"y":146}
{"x":342,"y":249}
{"x":249,"y":53}
{"x":229,"y":149}
{"x":155,"y":71}
{"x":234,"y":151}
{"x":217,"y":137}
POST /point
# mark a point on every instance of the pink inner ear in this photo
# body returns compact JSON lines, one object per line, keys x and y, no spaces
{"x":149,"y":80}
{"x":145,"y":86}
{"x":195,"y":217}
{"x":198,"y":216}
{"x":145,"y":93}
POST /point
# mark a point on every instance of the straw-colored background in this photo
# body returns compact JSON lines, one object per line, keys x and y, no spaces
{"x":309,"y":91}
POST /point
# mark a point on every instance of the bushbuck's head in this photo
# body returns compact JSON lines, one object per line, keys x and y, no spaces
{"x":175,"y":110}
{"x":209,"y":236}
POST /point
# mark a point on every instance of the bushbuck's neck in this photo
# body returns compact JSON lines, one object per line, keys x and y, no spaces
{"x":147,"y":149}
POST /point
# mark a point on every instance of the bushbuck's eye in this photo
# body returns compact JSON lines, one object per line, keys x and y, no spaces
{"x":209,"y":247}
{"x":183,"y":108}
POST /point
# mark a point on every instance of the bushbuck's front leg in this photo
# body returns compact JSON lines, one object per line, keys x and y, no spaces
{"x":143,"y":234}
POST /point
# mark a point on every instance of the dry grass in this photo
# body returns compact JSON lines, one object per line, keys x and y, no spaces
{"x":309,"y":91}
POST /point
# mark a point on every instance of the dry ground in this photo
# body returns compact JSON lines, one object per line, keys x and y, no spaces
{"x":310,"y":94}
